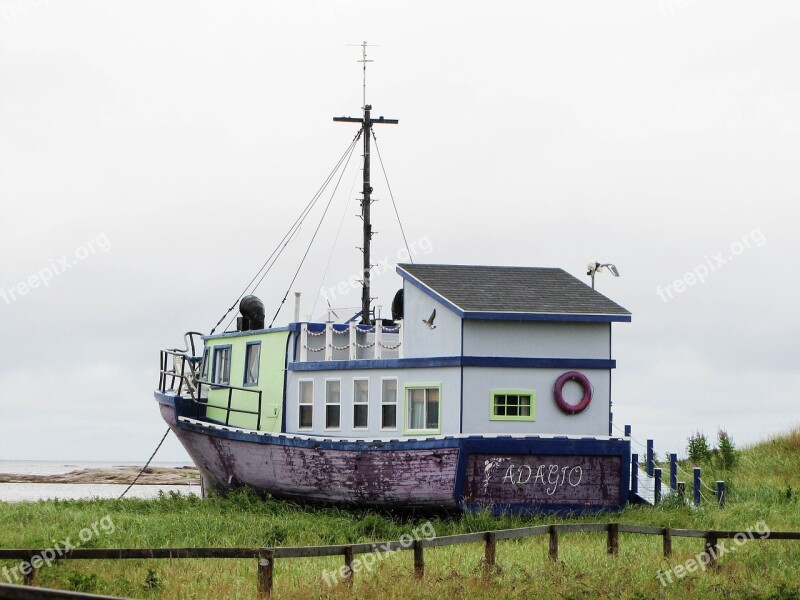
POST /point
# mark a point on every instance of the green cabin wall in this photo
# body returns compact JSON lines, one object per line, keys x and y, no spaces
{"x":272,"y":365}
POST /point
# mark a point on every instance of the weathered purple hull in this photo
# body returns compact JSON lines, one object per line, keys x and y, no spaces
{"x":501,"y":474}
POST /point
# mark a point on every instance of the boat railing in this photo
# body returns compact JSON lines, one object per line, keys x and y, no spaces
{"x":349,"y":341}
{"x":179,"y":367}
{"x":202,"y":401}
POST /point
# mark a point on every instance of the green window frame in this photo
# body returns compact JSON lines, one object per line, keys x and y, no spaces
{"x":422,"y":408}
{"x":512,"y":405}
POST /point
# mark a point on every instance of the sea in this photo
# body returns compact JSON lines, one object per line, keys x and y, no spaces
{"x":32,"y":492}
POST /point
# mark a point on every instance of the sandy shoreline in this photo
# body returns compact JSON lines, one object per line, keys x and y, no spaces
{"x":124,"y":475}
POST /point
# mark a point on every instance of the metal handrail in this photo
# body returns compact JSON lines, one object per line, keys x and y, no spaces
{"x":194,"y":385}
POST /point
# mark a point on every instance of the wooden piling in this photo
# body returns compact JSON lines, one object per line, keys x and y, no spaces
{"x":490,"y":553}
{"x":348,"y":563}
{"x":266,"y":568}
{"x":554,"y":542}
{"x":419,"y":559}
{"x":613,"y":539}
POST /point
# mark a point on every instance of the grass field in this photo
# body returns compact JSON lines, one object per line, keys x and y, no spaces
{"x":763,"y":491}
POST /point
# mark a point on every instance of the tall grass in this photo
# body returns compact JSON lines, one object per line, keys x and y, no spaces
{"x":763,"y":486}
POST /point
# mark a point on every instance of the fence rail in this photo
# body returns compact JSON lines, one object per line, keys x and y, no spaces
{"x":267,"y":556}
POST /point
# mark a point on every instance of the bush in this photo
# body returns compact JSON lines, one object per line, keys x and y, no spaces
{"x":698,"y":448}
{"x":726,"y":450}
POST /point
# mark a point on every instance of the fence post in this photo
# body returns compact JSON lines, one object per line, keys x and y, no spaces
{"x":419,"y":559}
{"x":348,"y":564}
{"x":490,"y":554}
{"x":673,"y":471}
{"x":697,"y":496}
{"x":635,"y":473}
{"x":627,"y":431}
{"x":711,"y":548}
{"x":650,"y":461}
{"x":682,"y":490}
{"x":29,"y":577}
{"x":553,"y":542}
{"x":667,"y":542}
{"x":613,"y":538}
{"x":266,"y":567}
{"x":721,"y":494}
{"x":657,"y":487}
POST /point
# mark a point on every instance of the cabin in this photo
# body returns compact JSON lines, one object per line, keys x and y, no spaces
{"x":477,"y":350}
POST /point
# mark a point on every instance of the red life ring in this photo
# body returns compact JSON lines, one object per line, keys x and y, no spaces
{"x":558,"y":392}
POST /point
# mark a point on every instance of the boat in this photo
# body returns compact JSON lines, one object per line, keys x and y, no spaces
{"x":489,"y":388}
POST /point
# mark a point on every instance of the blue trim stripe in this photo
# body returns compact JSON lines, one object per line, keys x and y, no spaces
{"x":429,"y":291}
{"x":559,"y":317}
{"x":228,"y":334}
{"x":513,"y":362}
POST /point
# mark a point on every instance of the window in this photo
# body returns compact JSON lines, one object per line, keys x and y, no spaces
{"x":222,"y":365}
{"x":513,"y":405}
{"x":422,"y":409}
{"x":252,"y":359}
{"x":389,"y":404}
{"x":306,"y":399}
{"x":204,"y":368}
{"x":333,"y":403}
{"x":360,"y":403}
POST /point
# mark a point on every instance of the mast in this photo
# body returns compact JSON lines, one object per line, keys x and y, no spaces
{"x":366,"y":192}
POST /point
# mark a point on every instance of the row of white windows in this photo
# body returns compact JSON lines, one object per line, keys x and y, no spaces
{"x":422,"y":412}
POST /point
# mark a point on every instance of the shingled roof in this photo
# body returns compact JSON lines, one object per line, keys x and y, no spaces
{"x":508,"y":293}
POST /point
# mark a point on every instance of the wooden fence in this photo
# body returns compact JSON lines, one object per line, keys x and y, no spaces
{"x":267,"y":556}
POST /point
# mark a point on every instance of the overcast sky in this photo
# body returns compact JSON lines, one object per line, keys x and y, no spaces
{"x":153,"y":152}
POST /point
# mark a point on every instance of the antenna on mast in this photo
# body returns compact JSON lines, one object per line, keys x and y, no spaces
{"x":364,"y":60}
{"x":366,"y":201}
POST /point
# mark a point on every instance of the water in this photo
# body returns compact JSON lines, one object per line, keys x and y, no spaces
{"x":31,"y":492}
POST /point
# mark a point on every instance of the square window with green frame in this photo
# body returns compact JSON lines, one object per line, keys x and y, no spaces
{"x":513,"y":405}
{"x":252,"y":360}
{"x":423,"y":409}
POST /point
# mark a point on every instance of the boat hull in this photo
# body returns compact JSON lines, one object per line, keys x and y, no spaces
{"x":504,"y":474}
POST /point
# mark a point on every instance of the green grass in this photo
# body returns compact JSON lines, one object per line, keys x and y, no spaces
{"x":763,"y":487}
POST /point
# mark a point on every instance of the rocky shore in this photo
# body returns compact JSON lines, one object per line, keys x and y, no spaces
{"x":124,"y":475}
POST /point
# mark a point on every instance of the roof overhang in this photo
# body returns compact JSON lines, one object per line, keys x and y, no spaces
{"x":510,"y":316}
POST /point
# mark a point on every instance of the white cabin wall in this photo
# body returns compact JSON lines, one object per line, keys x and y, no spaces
{"x":418,"y":339}
{"x":479,"y":383}
{"x":537,"y":339}
{"x":449,"y":378}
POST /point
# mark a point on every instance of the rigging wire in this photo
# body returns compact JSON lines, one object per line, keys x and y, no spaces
{"x":335,"y":241}
{"x":287,"y":238}
{"x":391,"y":195}
{"x":316,"y":231}
{"x":147,"y":464}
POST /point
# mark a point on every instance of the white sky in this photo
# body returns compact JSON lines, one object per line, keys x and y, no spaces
{"x":183,"y":137}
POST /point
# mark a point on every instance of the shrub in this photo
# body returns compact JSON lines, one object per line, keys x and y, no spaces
{"x":697,"y":448}
{"x":726,"y":450}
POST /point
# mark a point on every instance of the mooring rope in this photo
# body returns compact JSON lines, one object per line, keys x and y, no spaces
{"x":147,"y":464}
